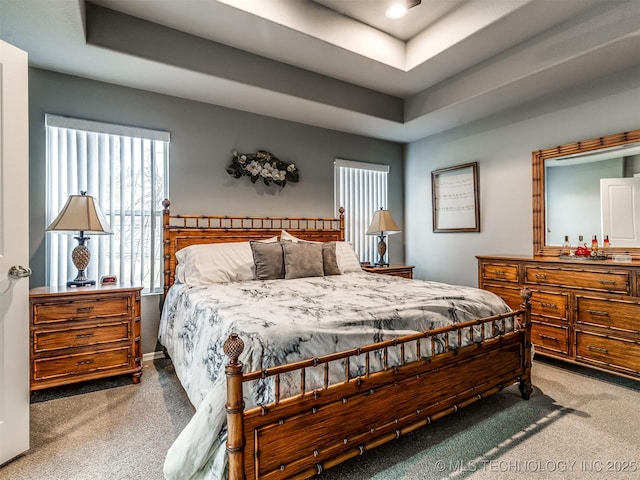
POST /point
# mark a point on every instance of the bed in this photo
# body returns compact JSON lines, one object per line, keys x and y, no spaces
{"x":290,"y":376}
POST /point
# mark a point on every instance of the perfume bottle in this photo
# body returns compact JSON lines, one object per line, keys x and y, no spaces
{"x":606,"y":243}
{"x":566,"y":246}
{"x":594,"y":244}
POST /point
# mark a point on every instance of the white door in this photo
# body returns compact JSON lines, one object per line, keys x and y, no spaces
{"x":620,"y":200}
{"x":14,"y":252}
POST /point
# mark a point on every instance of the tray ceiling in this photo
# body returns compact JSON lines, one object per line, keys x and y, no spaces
{"x":338,"y":64}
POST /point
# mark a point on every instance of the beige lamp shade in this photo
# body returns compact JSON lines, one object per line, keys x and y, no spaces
{"x":81,"y":213}
{"x":382,"y":222}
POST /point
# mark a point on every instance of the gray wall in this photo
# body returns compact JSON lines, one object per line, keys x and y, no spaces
{"x":502,"y":146}
{"x":203,"y":138}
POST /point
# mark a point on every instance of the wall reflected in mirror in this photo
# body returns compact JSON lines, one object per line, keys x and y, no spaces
{"x":594,"y":194}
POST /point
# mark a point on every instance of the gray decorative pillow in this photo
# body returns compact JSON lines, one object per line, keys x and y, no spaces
{"x":329,"y":259}
{"x":268,"y":261}
{"x":302,"y":260}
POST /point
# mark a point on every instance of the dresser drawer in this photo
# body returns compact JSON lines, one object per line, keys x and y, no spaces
{"x":552,"y":305}
{"x":511,"y":295}
{"x":49,"y":340}
{"x":608,"y":351}
{"x":550,"y":337}
{"x":617,"y":314}
{"x":606,"y":281}
{"x":79,"y":364}
{"x":500,"y":271}
{"x":79,"y":310}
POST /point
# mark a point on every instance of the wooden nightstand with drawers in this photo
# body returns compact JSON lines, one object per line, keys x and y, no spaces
{"x":405,"y":271}
{"x":84,"y":333}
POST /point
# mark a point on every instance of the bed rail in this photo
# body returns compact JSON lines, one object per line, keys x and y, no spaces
{"x":486,"y":366}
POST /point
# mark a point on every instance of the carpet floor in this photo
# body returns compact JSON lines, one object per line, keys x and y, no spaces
{"x":578,"y":424}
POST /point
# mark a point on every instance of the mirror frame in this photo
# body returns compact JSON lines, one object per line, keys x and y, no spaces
{"x":539,"y":208}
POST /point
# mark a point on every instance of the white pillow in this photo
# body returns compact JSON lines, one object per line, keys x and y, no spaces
{"x":287,"y":237}
{"x":346,"y":256}
{"x":215,"y":263}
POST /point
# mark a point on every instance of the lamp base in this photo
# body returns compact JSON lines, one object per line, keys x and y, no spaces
{"x":382,"y":249}
{"x":81,"y":280}
{"x":80,"y":257}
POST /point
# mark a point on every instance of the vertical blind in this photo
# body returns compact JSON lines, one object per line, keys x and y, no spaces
{"x":126,"y":170}
{"x":361,"y":188}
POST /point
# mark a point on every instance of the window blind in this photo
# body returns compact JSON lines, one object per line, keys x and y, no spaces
{"x":361,"y":188}
{"x":126,"y":170}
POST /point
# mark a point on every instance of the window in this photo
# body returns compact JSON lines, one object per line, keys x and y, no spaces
{"x":126,"y":170}
{"x":361,"y":188}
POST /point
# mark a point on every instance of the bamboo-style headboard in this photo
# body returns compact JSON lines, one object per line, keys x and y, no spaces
{"x":180,"y":231}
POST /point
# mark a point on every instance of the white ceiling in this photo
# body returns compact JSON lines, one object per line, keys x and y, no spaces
{"x":337,"y":64}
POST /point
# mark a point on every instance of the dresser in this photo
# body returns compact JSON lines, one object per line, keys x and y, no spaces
{"x":583,"y":311}
{"x":405,"y":271}
{"x":84,"y":333}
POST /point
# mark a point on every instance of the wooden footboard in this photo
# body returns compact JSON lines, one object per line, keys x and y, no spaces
{"x":299,"y":436}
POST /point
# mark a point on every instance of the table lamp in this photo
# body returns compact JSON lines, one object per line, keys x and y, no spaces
{"x":81,"y":213}
{"x":381,"y":223}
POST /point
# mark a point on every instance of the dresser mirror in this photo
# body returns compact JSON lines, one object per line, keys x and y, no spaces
{"x":588,"y":188}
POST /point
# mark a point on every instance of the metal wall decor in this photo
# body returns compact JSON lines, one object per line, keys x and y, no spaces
{"x":263,"y":165}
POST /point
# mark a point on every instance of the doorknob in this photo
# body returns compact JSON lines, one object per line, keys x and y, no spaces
{"x":19,"y":272}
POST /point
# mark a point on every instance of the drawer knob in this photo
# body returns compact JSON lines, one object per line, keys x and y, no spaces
{"x":541,"y":276}
{"x":607,"y":282}
{"x":84,"y":335}
{"x":597,"y":349}
{"x":598,"y":313}
{"x":85,"y":362}
{"x":84,"y":309}
{"x":500,"y":273}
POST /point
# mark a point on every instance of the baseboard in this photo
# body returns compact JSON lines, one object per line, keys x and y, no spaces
{"x":146,"y":357}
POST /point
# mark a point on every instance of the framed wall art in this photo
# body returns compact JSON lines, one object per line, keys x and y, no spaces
{"x":455,"y":199}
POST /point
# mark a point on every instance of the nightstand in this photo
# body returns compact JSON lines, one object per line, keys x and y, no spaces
{"x":84,"y":333}
{"x":405,"y":271}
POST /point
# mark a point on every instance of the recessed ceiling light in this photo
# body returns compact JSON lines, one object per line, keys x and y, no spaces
{"x":396,"y":11}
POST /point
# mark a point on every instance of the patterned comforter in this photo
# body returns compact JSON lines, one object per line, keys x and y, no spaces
{"x":283,"y":321}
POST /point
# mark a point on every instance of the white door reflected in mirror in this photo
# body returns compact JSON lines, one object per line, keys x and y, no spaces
{"x":620,"y":207}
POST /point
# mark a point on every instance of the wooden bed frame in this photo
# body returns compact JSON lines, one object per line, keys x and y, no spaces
{"x":300,"y":436}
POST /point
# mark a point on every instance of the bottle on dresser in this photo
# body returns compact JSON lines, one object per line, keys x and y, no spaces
{"x":582,"y":250}
{"x":566,"y":246}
